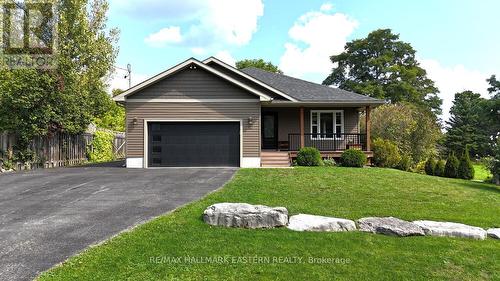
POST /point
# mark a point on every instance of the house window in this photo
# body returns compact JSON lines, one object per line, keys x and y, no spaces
{"x":327,"y":124}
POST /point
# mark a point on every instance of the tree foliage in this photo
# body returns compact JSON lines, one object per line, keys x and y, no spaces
{"x":101,"y":149}
{"x":385,"y":153}
{"x":414,"y":130}
{"x":382,"y":66}
{"x":465,"y":168}
{"x":466,"y":126}
{"x":258,"y":63}
{"x":66,"y":98}
{"x":451,"y":167}
{"x":430,"y":166}
{"x":440,"y":167}
{"x":494,"y":88}
{"x":114,"y":117}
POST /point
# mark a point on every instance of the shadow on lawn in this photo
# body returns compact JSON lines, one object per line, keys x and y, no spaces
{"x":480,"y":186}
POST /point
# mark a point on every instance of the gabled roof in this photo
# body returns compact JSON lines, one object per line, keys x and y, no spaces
{"x":248,"y":77}
{"x":305,"y":91}
{"x":189,"y":63}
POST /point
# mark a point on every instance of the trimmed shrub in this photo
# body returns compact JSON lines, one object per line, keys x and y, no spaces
{"x":465,"y":168}
{"x":385,"y":153}
{"x":405,"y":163}
{"x":440,"y":166}
{"x":430,"y":166}
{"x":102,"y":147}
{"x":353,"y":158}
{"x":451,"y":167}
{"x":309,"y":156}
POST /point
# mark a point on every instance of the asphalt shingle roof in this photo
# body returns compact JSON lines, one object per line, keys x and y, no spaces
{"x":304,"y":90}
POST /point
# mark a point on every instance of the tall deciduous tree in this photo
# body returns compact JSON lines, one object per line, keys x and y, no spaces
{"x":258,"y":63}
{"x":114,"y":118}
{"x":382,"y":66}
{"x":36,"y":102}
{"x":466,"y":125}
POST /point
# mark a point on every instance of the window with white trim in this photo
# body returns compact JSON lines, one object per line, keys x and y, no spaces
{"x":327,"y":124}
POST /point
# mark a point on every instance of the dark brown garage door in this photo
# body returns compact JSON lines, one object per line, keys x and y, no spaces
{"x":194,"y":144}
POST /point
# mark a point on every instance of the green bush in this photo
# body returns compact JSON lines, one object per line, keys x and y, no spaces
{"x":7,"y":165}
{"x":309,"y":156}
{"x":329,"y":162}
{"x":451,"y":167}
{"x":405,"y":163}
{"x":101,"y":149}
{"x":465,"y":168}
{"x":353,"y":158}
{"x":430,"y":166}
{"x":440,"y":166}
{"x":385,"y":153}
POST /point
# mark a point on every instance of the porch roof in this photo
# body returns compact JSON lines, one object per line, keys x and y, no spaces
{"x":305,"y":91}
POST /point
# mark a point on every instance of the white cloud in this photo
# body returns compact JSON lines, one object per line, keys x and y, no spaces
{"x":226,"y":57}
{"x":324,"y":34}
{"x":451,"y":80}
{"x":216,"y":22}
{"x":326,"y":7}
{"x":166,"y":35}
{"x":234,"y":21}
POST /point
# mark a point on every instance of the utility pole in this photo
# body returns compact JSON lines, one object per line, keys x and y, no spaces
{"x":129,"y":70}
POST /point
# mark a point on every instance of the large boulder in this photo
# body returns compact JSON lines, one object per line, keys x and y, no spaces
{"x":451,"y":229}
{"x":494,"y":233}
{"x":389,"y":226}
{"x":245,"y":215}
{"x":302,"y":222}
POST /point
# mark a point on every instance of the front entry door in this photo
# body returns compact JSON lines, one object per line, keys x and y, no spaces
{"x":269,"y":130}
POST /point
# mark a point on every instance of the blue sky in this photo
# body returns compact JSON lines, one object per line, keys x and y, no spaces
{"x":457,"y":42}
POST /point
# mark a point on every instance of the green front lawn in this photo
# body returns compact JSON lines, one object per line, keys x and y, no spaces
{"x":143,"y":253}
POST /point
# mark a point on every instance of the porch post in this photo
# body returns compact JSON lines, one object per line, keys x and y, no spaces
{"x":301,"y":117}
{"x":368,"y":129}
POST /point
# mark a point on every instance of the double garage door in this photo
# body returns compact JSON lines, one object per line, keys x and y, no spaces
{"x":194,"y":144}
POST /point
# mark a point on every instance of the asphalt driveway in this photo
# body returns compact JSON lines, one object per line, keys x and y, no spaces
{"x":49,"y":215}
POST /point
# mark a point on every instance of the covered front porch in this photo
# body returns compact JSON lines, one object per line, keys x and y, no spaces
{"x":329,"y":129}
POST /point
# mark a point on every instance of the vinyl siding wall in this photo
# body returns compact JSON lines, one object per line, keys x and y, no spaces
{"x":193,"y":84}
{"x":192,"y":111}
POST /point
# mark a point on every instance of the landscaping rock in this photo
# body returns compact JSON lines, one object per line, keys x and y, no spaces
{"x":245,"y":215}
{"x":493,"y":233}
{"x":451,"y":229}
{"x":390,"y":226}
{"x":302,"y":222}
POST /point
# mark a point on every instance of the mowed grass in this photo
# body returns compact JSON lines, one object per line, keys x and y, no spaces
{"x":340,"y":192}
{"x":481,"y":173}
